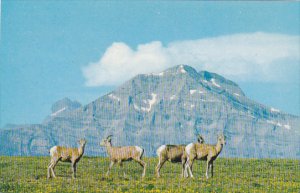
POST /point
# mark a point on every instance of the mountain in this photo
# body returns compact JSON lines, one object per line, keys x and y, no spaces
{"x":62,"y":107}
{"x":170,"y":107}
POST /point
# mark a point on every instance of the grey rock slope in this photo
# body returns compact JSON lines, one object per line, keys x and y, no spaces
{"x":170,"y":107}
{"x":62,"y":107}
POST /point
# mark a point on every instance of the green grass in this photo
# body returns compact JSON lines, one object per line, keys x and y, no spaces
{"x":28,"y":174}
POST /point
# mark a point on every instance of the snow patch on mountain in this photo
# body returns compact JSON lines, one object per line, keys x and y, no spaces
{"x":136,"y":107}
{"x":157,"y":74}
{"x":181,"y":69}
{"x":192,"y":91}
{"x":58,"y":112}
{"x":288,"y":127}
{"x":198,"y":91}
{"x":172,"y":97}
{"x":114,"y":97}
{"x":275,"y":110}
{"x":151,"y":102}
{"x":213,"y":81}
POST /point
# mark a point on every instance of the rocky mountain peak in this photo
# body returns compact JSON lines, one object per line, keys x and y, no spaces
{"x":64,"y":104}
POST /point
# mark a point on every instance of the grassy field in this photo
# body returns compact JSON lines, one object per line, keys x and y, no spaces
{"x":28,"y":174}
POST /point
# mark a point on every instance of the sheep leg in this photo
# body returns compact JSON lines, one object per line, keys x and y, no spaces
{"x":183,"y":171}
{"x":207,"y":168}
{"x":186,"y":174}
{"x":110,"y":166}
{"x":53,"y":167}
{"x":49,"y":168}
{"x":212,"y":169}
{"x":143,"y":164}
{"x":121,"y":166}
{"x":74,"y":170}
{"x":159,"y":166}
{"x":189,"y":166}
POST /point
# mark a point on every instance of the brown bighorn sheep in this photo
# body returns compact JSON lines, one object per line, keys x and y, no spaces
{"x":121,"y":154}
{"x":65,"y":154}
{"x":174,"y":154}
{"x":196,"y":151}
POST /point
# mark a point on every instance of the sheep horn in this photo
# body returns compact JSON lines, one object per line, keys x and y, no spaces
{"x":200,"y":138}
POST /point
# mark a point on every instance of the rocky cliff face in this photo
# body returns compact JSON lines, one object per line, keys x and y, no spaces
{"x":170,"y":107}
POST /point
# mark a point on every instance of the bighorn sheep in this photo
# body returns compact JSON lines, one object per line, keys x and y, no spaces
{"x":203,"y":152}
{"x":174,"y":154}
{"x":65,"y":154}
{"x":121,"y":154}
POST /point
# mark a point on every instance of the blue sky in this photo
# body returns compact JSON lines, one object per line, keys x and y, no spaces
{"x":51,"y":50}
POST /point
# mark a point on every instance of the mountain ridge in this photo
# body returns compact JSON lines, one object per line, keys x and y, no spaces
{"x":168,"y":107}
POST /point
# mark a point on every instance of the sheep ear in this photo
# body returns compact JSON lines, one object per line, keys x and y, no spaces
{"x":109,"y":137}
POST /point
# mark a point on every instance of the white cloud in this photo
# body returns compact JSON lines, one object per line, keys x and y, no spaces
{"x":244,"y":57}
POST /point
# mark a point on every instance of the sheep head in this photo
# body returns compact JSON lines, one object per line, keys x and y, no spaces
{"x":82,"y":142}
{"x":221,"y":139}
{"x":106,"y":141}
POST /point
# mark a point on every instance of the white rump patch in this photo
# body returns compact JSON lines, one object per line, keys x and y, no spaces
{"x":236,"y":94}
{"x":188,"y":148}
{"x":160,"y":149}
{"x":53,"y":150}
{"x":139,"y":149}
{"x":213,"y":81}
